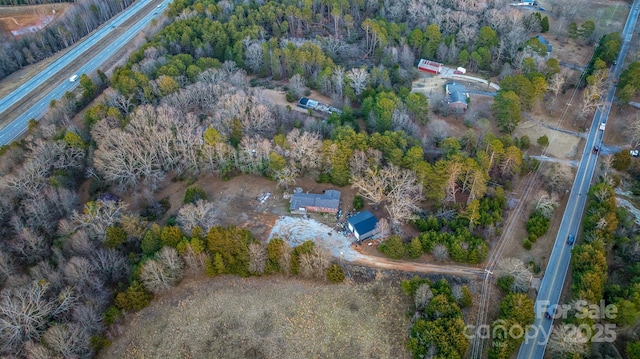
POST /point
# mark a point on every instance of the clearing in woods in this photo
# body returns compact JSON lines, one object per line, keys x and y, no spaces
{"x":268,"y":317}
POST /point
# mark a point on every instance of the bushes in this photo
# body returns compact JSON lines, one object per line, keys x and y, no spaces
{"x":335,"y":274}
{"x":194,"y":194}
{"x":358,"y":203}
{"x":134,"y":298}
{"x":393,"y":247}
{"x":537,"y":225}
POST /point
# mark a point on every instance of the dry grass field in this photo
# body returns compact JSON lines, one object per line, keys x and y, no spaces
{"x":272,"y":317}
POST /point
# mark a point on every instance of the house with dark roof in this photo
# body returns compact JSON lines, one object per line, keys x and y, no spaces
{"x":363,"y":225}
{"x":328,"y":202}
{"x":456,"y":96}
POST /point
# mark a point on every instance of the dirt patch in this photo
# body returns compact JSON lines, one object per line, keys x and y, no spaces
{"x":561,"y":145}
{"x":271,"y":317}
{"x":18,"y":20}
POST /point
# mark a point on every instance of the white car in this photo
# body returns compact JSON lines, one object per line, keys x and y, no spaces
{"x":73,"y":78}
{"x":602,"y":126}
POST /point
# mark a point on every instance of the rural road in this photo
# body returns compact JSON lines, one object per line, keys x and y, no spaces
{"x":535,"y":342}
{"x":19,"y":125}
{"x":448,"y":269}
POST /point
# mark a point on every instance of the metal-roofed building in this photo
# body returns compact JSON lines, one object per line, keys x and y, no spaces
{"x":363,"y":225}
{"x":328,"y":202}
{"x":430,"y":66}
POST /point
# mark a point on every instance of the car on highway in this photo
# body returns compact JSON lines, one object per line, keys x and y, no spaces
{"x":73,"y":78}
{"x":603,"y":126}
{"x":596,"y":149}
{"x":551,"y":312}
{"x":571,"y":239}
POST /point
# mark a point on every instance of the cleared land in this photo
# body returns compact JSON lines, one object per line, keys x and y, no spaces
{"x":273,"y":317}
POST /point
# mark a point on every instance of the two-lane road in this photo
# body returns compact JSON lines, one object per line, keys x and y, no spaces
{"x":18,"y":126}
{"x":554,"y":278}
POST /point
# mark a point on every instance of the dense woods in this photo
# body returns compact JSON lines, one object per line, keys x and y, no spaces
{"x":79,"y":20}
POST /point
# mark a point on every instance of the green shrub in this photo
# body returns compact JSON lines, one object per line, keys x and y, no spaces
{"x":290,"y":97}
{"x":111,"y":315}
{"x":193,"y":194}
{"x":543,"y":141}
{"x":393,"y":247}
{"x":505,"y":283}
{"x":98,"y":342}
{"x":467,"y":299}
{"x":116,"y":236}
{"x":414,"y":248}
{"x":335,"y":274}
{"x":358,"y":203}
{"x":150,"y":242}
{"x":171,"y":236}
{"x":527,"y":244}
{"x":134,"y":298}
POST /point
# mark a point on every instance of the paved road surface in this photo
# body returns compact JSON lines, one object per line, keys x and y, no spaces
{"x":553,"y":281}
{"x":13,"y":130}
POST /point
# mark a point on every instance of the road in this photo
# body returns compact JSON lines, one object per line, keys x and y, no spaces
{"x":553,"y":281}
{"x":19,"y":125}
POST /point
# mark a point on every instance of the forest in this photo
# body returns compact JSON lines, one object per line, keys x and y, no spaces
{"x":190,"y":103}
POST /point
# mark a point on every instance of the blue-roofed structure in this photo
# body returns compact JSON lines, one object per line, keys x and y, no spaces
{"x":363,"y":225}
{"x":328,"y":202}
{"x":546,"y":43}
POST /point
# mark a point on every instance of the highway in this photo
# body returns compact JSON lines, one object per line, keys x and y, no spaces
{"x":553,"y":281}
{"x":18,"y":126}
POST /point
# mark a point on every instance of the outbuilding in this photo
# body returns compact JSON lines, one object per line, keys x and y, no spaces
{"x":327,"y":202}
{"x":362,"y":225}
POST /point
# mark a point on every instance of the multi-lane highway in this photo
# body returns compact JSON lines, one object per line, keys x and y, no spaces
{"x":18,"y":126}
{"x":554,"y":277}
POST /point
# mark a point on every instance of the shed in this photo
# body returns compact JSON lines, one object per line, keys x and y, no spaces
{"x":363,"y":225}
{"x":430,"y":66}
{"x":328,"y":202}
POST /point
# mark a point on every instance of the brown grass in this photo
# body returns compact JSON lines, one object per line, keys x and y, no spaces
{"x":273,"y":317}
{"x":17,"y":17}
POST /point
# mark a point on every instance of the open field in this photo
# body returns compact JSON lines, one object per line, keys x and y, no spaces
{"x":25,"y":18}
{"x":272,"y":317}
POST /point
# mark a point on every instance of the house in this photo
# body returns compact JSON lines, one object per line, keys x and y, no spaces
{"x":430,"y":66}
{"x":456,"y":96}
{"x":306,"y":103}
{"x":328,"y":202}
{"x":363,"y":225}
{"x":546,"y":43}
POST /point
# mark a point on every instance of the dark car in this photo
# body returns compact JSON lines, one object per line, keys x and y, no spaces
{"x":551,"y":312}
{"x":596,"y":149}
{"x":571,"y":239}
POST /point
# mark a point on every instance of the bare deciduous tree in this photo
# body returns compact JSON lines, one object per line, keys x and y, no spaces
{"x":257,"y":258}
{"x":440,"y":252}
{"x":24,"y":313}
{"x":423,"y":296}
{"x":359,"y":78}
{"x":520,"y":273}
{"x":383,"y":231}
{"x":163,"y":272}
{"x":200,"y":214}
{"x":568,"y":339}
{"x":547,"y":204}
{"x":67,"y":340}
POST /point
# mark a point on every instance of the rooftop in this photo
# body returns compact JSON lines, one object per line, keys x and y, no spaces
{"x":363,"y":222}
{"x":328,"y":199}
